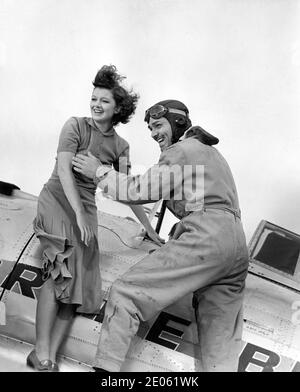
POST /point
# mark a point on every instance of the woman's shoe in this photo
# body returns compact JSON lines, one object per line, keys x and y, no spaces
{"x":54,"y":367}
{"x":43,"y":366}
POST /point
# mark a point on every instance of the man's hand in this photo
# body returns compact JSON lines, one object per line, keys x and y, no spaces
{"x":86,"y":164}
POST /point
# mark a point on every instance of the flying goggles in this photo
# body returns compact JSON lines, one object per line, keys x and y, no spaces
{"x":158,"y":111}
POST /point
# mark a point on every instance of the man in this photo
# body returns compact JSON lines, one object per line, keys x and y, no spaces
{"x":207,"y":254}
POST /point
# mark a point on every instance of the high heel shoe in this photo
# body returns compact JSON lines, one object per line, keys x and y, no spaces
{"x":33,"y":361}
{"x":54,"y":367}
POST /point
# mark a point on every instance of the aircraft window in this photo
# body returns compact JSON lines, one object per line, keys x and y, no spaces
{"x":275,"y":253}
{"x":279,"y":252}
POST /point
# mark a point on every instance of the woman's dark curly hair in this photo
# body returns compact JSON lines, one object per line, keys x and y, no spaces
{"x":107,"y":77}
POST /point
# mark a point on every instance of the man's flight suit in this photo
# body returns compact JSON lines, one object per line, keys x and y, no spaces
{"x":207,"y":255}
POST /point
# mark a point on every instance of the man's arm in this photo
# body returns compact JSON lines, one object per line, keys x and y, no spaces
{"x":161,"y":181}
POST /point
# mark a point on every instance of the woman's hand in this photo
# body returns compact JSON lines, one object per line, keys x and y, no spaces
{"x":151,"y":233}
{"x":85,"y":227}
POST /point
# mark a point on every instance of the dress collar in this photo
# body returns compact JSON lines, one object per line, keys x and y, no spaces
{"x":110,"y":132}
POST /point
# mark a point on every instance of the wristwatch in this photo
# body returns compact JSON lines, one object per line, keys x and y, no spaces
{"x":101,"y":172}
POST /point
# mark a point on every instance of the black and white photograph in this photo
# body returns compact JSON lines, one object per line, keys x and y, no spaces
{"x":149,"y":189}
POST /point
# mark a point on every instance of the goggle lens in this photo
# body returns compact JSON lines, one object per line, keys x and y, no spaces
{"x":156,"y":111}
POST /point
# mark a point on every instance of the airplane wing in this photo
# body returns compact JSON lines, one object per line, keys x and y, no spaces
{"x":166,"y":343}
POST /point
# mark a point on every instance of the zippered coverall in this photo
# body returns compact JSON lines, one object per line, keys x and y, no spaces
{"x":207,"y":256}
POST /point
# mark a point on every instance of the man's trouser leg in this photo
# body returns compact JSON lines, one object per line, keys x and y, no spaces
{"x":178,"y":268}
{"x":219,"y":317}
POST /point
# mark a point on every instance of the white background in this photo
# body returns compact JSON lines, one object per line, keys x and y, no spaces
{"x":234,"y":63}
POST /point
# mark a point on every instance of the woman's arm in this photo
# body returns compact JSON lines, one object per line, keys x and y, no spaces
{"x":142,"y":217}
{"x":124,"y":166}
{"x":64,"y":162}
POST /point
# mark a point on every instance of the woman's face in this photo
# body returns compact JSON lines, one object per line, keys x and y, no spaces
{"x":103,"y":106}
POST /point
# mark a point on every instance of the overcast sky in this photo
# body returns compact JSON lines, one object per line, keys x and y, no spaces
{"x":235,"y":64}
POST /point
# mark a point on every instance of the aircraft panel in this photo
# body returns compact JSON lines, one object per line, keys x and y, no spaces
{"x":13,"y":354}
{"x":271,"y":318}
{"x":16,"y":218}
{"x":168,"y":342}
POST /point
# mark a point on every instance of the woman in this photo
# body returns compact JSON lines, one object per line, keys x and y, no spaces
{"x":66,"y":221}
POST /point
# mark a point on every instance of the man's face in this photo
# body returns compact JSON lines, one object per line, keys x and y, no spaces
{"x":161,"y":132}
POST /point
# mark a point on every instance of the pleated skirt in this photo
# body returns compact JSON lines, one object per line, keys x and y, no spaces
{"x":73,"y":266}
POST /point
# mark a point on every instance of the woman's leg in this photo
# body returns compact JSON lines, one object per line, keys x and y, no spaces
{"x":47,"y":308}
{"x":60,"y":328}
